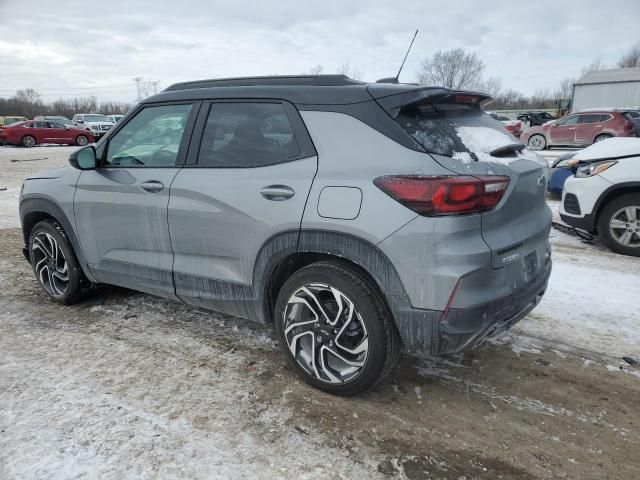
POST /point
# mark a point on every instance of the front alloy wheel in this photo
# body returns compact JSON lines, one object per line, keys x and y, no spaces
{"x":50,"y":264}
{"x":325,"y":333}
{"x":619,"y":224}
{"x":537,"y":142}
{"x":625,"y":226}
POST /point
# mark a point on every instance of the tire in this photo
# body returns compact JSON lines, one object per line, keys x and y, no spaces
{"x":601,"y":137}
{"x":28,"y":141}
{"x":619,"y":224}
{"x":61,"y":278}
{"x":82,"y":140}
{"x":537,"y":142}
{"x":369,"y":333}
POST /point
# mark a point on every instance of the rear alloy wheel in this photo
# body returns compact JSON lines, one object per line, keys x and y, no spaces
{"x":619,"y":224}
{"x":81,"y":140}
{"x":602,"y":137}
{"x":537,"y":142}
{"x":28,"y":141}
{"x":55,"y":265}
{"x":334,"y":328}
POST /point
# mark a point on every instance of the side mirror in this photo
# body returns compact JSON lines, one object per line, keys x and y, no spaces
{"x":84,"y":159}
{"x":80,"y":121}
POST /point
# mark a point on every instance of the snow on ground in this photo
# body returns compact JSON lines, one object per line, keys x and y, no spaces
{"x":590,"y":301}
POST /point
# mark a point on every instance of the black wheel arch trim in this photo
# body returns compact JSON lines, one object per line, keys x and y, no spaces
{"x":46,"y":205}
{"x":341,"y":246}
{"x":613,"y":190}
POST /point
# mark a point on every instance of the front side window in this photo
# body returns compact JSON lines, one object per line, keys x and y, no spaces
{"x":151,"y":138}
{"x":241,"y":135}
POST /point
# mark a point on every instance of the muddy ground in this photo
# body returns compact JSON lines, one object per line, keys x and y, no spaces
{"x":127,"y":385}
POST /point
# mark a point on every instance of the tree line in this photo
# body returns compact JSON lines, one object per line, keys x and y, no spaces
{"x":29,"y":103}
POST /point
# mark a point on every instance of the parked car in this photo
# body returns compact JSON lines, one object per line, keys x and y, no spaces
{"x":56,"y":119}
{"x":114,"y":118}
{"x":604,"y":195}
{"x":562,"y":168}
{"x":95,"y":123}
{"x":513,"y":126}
{"x":32,"y":133}
{"x":10,"y":120}
{"x":532,"y":119}
{"x":394,"y":236}
{"x":580,"y":129}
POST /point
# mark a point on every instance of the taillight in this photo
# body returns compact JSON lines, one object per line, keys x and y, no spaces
{"x":431,"y":196}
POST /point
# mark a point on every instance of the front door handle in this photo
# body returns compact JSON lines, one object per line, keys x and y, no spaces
{"x":277,"y":193}
{"x":152,"y":186}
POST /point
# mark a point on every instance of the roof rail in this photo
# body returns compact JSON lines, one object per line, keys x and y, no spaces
{"x":291,"y":80}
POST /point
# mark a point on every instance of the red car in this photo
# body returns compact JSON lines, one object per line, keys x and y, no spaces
{"x":31,"y":133}
{"x":580,"y":129}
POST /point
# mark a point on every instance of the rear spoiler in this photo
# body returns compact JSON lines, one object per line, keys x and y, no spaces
{"x":394,"y":102}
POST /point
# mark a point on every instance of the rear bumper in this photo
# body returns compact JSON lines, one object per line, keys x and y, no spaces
{"x":430,"y":331}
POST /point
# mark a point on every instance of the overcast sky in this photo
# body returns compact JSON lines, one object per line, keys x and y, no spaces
{"x":64,"y":47}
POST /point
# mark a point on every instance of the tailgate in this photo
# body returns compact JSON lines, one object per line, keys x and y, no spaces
{"x":518,"y":229}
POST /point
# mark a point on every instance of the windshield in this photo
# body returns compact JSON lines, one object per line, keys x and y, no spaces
{"x":95,"y":118}
{"x":455,"y":130}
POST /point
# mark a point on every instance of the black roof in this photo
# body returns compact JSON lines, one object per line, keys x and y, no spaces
{"x":298,"y":89}
{"x":307,"y":90}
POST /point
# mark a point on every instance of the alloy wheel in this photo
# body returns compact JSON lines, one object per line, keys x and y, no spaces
{"x":28,"y":141}
{"x":536,"y":142}
{"x":82,"y":140}
{"x":625,"y":226}
{"x":50,"y":264}
{"x":325,"y":333}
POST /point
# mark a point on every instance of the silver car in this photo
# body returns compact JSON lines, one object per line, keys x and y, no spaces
{"x":360,"y":219}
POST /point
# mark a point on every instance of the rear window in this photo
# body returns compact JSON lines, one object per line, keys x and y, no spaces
{"x":455,"y":130}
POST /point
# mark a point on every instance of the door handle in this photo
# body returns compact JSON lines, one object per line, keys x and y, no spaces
{"x":277,"y":193}
{"x":152,"y":186}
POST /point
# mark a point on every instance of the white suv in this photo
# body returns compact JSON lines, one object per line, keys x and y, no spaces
{"x":95,"y":123}
{"x":604,"y":195}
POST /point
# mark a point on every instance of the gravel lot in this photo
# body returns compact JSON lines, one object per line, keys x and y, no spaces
{"x":127,"y":385}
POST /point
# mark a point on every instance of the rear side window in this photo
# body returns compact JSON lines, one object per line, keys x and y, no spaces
{"x":454,"y":130}
{"x":593,"y":118}
{"x":242,"y":135}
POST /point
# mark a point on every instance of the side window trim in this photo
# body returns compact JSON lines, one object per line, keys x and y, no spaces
{"x":184,"y":143}
{"x":307,"y":149}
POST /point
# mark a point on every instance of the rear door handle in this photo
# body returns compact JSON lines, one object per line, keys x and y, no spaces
{"x":152,"y":186}
{"x":277,"y":193}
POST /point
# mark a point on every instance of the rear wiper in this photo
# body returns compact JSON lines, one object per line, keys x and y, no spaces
{"x":511,"y":148}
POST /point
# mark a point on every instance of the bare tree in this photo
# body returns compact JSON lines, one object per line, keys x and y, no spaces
{"x":353,"y":72}
{"x":565,"y":89}
{"x":317,"y":70}
{"x":452,"y":69}
{"x":631,"y":58}
{"x":28,"y":95}
{"x":594,"y":66}
{"x":491,"y":86}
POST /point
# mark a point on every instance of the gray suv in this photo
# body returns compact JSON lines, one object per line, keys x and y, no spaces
{"x":360,"y":219}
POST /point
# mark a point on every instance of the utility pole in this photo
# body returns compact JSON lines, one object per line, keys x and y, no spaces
{"x":138,"y":80}
{"x":155,"y":87}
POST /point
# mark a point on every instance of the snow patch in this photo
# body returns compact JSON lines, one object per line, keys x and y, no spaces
{"x":609,"y":148}
{"x":483,"y":140}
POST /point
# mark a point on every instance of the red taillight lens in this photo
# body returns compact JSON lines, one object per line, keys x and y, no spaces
{"x":430,"y":196}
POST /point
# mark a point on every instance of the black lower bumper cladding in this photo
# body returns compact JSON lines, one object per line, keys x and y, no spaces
{"x":427,"y":332}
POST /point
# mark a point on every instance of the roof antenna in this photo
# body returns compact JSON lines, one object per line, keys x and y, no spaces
{"x":395,"y":79}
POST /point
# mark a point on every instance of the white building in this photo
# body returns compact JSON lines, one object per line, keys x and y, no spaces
{"x":619,"y":87}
